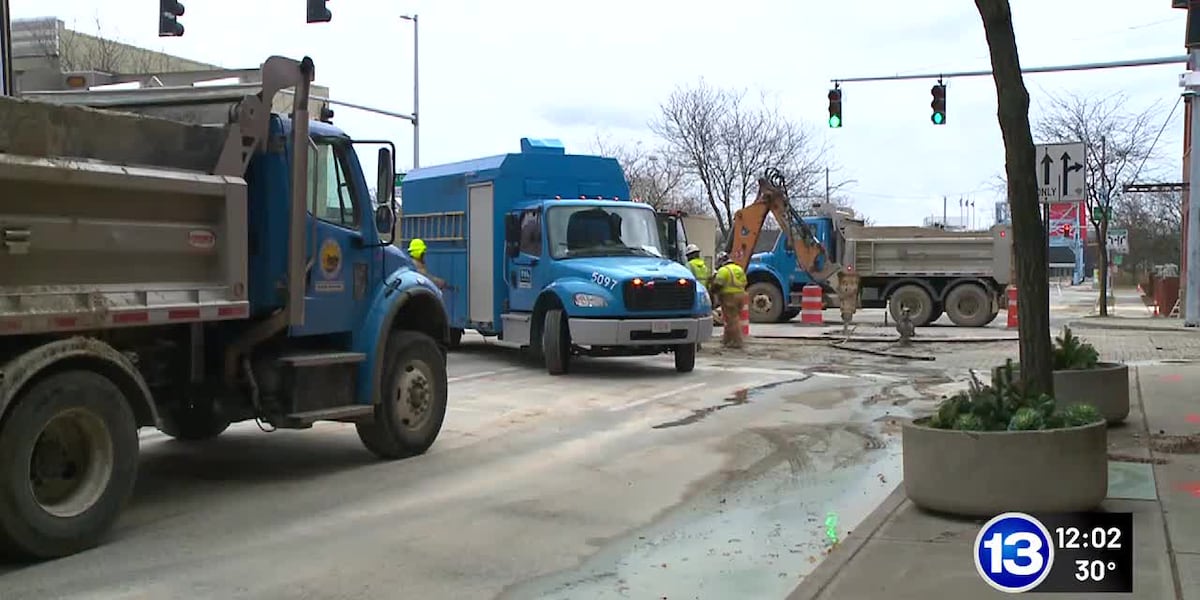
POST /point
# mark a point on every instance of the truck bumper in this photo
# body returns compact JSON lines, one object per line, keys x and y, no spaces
{"x":640,"y":332}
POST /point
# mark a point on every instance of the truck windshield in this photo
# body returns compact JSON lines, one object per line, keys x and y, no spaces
{"x":578,"y":231}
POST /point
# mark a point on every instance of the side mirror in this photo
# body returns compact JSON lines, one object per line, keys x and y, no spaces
{"x":385,"y":218}
{"x":385,"y":179}
{"x":512,"y":234}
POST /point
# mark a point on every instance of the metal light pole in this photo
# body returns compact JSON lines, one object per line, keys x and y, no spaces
{"x":1191,"y":304}
{"x":7,"y":85}
{"x":416,"y":93}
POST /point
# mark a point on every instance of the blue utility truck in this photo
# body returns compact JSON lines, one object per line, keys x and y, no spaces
{"x":546,"y":251}
{"x":186,"y":275}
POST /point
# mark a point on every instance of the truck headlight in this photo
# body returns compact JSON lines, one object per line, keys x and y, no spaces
{"x":590,"y":301}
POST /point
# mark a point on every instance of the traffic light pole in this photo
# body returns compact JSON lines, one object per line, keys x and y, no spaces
{"x":1191,"y":304}
{"x":8,"y":87}
{"x":1119,"y":64}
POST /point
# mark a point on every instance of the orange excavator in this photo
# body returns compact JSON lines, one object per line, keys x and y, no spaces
{"x":811,"y":255}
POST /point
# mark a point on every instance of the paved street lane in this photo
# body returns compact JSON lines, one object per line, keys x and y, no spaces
{"x":540,"y":487}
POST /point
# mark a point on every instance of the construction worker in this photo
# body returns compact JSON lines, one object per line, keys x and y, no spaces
{"x":416,"y":250}
{"x":729,"y":286}
{"x":696,"y":264}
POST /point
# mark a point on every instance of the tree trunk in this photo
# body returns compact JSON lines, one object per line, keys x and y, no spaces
{"x":1102,"y":247}
{"x":1029,"y":239}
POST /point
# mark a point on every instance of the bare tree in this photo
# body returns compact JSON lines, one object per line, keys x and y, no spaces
{"x":1118,"y":142}
{"x":724,"y":145}
{"x":102,"y":52}
{"x":1029,"y":238}
{"x":654,"y":177}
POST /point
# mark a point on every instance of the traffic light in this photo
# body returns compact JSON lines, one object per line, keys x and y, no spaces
{"x":939,"y":104}
{"x":835,"y":107}
{"x":1066,"y":229}
{"x":317,"y":12}
{"x":169,"y":12}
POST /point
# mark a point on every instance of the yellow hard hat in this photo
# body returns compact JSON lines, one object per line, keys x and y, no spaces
{"x":416,"y":247}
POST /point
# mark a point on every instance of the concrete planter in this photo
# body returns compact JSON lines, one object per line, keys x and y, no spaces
{"x":983,"y":473}
{"x":1105,"y":387}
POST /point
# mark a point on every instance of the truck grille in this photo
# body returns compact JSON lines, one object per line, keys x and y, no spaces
{"x":659,"y":294}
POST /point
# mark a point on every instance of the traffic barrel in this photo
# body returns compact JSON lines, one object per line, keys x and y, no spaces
{"x":812,"y":305}
{"x":745,"y":316}
{"x":1012,"y":306}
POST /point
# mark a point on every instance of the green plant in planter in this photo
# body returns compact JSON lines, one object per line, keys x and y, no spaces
{"x":1073,"y":354}
{"x":1006,"y":406}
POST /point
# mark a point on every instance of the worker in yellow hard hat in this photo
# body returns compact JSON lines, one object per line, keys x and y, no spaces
{"x":416,"y":250}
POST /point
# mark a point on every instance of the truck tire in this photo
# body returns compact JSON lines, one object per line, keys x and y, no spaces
{"x":938,"y":311}
{"x":68,"y":462}
{"x":766,"y":302}
{"x":412,"y":403}
{"x":790,"y":314}
{"x":556,"y":342}
{"x":685,"y":358}
{"x":969,"y":305}
{"x":194,"y":422}
{"x":920,"y":305}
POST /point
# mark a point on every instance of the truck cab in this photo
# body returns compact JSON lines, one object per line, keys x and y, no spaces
{"x":775,"y":282}
{"x":546,"y":251}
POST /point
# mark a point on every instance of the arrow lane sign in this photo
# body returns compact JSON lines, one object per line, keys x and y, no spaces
{"x":1046,"y":162}
{"x":1066,"y":160}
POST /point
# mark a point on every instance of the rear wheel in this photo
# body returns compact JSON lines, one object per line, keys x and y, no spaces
{"x":68,"y":462}
{"x":455,"y":338}
{"x":685,"y":358}
{"x":969,"y":305}
{"x":412,"y":403}
{"x":916,"y":299}
{"x":556,"y":342}
{"x":766,"y":302}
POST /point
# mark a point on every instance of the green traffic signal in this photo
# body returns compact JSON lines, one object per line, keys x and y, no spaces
{"x":835,"y":121}
{"x":938,"y":118}
{"x":835,"y":107}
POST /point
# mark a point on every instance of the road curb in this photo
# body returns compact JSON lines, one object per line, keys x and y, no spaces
{"x":1085,"y":324}
{"x":868,"y":339}
{"x":816,"y":582}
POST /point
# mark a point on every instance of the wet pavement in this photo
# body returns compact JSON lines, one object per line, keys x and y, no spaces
{"x":540,"y":487}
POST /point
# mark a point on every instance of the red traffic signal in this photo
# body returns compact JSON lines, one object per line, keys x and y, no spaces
{"x":1066,"y":229}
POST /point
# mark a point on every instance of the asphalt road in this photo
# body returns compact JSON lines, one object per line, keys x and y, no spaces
{"x":622,"y":479}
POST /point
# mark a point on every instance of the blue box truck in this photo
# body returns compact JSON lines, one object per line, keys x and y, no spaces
{"x":546,"y":251}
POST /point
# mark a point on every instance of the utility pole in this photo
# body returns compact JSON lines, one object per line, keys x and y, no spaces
{"x":416,"y":93}
{"x":1191,"y":310}
{"x":826,"y":185}
{"x":943,"y":211}
{"x":8,"y":87}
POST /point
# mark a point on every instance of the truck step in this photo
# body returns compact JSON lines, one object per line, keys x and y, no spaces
{"x":302,"y":420}
{"x":301,"y":360}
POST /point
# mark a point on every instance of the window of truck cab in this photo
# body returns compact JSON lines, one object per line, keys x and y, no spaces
{"x":577,"y":231}
{"x":332,"y":196}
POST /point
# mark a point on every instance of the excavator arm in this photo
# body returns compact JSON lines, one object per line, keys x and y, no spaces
{"x":811,"y":255}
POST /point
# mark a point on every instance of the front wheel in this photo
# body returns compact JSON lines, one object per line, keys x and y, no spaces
{"x":412,"y":402}
{"x":556,"y":342}
{"x":766,"y":302}
{"x":685,"y":358}
{"x":68,"y":462}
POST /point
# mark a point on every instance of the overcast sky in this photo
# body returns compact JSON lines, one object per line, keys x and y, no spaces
{"x":493,"y":72}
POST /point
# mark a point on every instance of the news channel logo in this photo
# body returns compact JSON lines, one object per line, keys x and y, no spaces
{"x":1014,"y":552}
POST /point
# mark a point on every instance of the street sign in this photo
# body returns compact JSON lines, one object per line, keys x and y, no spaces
{"x":1118,"y":241}
{"x":1060,"y":172}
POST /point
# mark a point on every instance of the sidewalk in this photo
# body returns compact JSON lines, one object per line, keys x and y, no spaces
{"x":1142,"y":323}
{"x":900,"y":552}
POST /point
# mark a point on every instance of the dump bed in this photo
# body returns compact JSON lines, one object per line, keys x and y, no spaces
{"x":110,"y":219}
{"x":923,"y":251}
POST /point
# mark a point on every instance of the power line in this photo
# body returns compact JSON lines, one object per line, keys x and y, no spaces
{"x":1155,"y":142}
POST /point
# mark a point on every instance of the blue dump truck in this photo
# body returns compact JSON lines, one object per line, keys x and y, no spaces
{"x":546,"y":251}
{"x":224,"y":264}
{"x":932,"y":272}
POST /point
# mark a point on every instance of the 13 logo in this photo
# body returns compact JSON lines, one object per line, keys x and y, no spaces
{"x":1014,"y":552}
